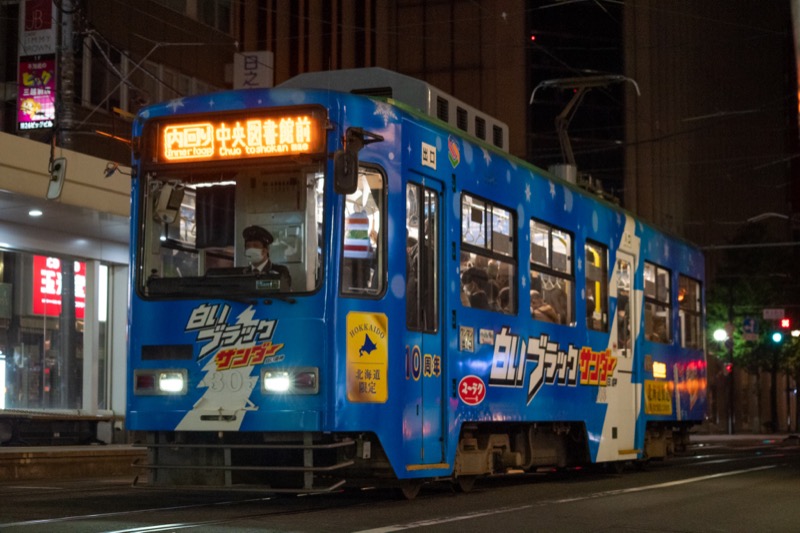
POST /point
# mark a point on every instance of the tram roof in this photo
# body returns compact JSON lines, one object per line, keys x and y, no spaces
{"x":433,"y":102}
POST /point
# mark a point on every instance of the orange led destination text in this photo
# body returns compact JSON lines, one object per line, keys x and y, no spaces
{"x":251,"y":137}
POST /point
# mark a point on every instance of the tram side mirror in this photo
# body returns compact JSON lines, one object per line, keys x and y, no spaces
{"x":345,"y":168}
{"x":345,"y":162}
{"x":168,"y":203}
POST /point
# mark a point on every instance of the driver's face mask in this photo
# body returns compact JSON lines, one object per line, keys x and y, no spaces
{"x":254,"y":255}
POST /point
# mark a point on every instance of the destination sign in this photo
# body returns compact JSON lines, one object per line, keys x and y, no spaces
{"x":221,"y":137}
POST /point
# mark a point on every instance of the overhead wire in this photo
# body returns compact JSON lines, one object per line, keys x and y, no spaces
{"x":485,"y":13}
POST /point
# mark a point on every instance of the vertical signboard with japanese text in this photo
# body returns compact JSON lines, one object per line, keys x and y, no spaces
{"x":36,"y":89}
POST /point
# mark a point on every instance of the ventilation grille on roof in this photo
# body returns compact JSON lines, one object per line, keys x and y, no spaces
{"x":497,"y":136}
{"x":380,"y":92}
{"x":480,"y":128}
{"x":461,"y":119}
{"x":382,"y":83}
{"x":442,"y":109}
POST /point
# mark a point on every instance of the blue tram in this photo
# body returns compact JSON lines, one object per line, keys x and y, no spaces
{"x":349,"y":277}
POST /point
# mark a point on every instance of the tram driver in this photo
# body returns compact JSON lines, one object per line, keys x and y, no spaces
{"x":256,"y":249}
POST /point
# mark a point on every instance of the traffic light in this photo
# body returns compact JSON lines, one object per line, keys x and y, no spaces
{"x":728,"y":368}
{"x":786,"y":323}
{"x":777,"y":337}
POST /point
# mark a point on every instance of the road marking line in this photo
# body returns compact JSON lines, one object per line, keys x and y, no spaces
{"x":665,"y":485}
{"x":437,"y":521}
{"x":93,"y":516}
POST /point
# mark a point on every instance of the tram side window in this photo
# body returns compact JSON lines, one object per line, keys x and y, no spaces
{"x":422,"y":258}
{"x":488,"y":265}
{"x":552,"y":274}
{"x":596,"y":286}
{"x":657,"y":304}
{"x":689,"y":311}
{"x":362,"y":247}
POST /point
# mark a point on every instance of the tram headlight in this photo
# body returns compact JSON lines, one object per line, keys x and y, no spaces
{"x":171,"y":381}
{"x":167,"y":381}
{"x":276,"y":381}
{"x":290,"y":381}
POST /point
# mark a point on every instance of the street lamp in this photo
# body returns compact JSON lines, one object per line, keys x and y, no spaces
{"x":726,"y":336}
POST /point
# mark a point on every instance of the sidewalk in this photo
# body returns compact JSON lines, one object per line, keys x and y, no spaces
{"x":746,"y":439}
{"x":69,"y":462}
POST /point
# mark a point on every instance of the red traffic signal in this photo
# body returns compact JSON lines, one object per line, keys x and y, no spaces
{"x":786,"y":323}
{"x":728,"y":368}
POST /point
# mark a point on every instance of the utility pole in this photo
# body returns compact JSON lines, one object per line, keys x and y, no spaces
{"x":731,"y":380}
{"x":773,"y":397}
{"x":65,"y":66}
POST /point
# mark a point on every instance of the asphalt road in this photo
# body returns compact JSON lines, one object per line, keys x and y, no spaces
{"x":720,"y":486}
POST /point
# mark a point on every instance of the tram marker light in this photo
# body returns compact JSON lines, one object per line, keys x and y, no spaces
{"x":145,"y":383}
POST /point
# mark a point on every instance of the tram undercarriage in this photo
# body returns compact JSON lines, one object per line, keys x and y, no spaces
{"x":304,"y":462}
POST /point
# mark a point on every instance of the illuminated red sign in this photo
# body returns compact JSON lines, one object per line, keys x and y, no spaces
{"x":47,"y":286}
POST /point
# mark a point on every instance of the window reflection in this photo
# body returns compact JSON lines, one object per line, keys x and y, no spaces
{"x":42,"y":324}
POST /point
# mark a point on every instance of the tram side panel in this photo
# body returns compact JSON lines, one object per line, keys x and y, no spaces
{"x":510,"y":367}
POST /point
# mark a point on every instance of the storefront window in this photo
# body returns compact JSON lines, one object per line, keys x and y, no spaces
{"x":42,"y":325}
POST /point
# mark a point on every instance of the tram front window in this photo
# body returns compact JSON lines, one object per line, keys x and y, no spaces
{"x":195,"y":227}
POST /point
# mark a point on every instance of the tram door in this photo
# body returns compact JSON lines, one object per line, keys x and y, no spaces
{"x":424,"y":407}
{"x":623,"y":351}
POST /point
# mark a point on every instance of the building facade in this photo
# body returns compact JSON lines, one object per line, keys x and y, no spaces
{"x":711,"y":154}
{"x":72,"y":75}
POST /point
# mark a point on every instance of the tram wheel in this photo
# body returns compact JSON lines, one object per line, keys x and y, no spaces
{"x":465,"y":483}
{"x":616,"y":467}
{"x":410,"y":488}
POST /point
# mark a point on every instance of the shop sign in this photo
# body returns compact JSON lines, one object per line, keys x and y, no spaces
{"x":37,"y":31}
{"x":36,"y":92}
{"x":253,"y":70}
{"x":47,"y":286}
